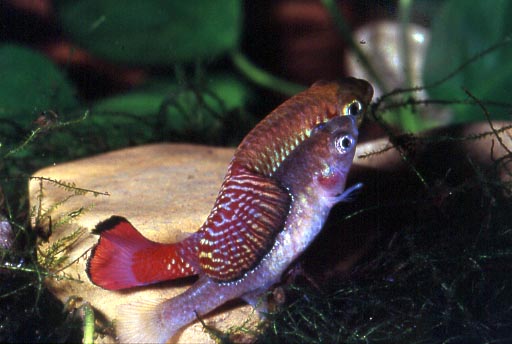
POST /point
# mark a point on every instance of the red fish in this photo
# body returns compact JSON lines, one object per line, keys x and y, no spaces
{"x":280,"y":186}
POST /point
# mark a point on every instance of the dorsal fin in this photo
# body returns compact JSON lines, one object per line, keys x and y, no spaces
{"x":249,"y":212}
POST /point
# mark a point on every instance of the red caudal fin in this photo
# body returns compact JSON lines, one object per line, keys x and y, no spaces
{"x":123,"y":258}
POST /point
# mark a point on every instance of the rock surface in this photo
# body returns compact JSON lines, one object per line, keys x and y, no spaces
{"x":165,"y":190}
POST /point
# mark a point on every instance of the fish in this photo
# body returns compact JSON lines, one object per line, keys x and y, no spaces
{"x":284,"y":178}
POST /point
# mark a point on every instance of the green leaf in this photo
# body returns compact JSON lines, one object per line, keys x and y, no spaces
{"x":31,"y":83}
{"x":460,"y":31}
{"x":197,"y":112}
{"x":153,"y":31}
{"x":136,"y":103}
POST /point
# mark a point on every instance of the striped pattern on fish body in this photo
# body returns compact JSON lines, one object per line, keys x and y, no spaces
{"x":242,"y":224}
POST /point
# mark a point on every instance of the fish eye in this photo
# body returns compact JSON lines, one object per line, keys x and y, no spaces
{"x":354,"y":108}
{"x":344,"y":143}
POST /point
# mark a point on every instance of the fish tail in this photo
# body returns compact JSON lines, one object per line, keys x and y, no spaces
{"x":159,"y":321}
{"x":142,"y":322}
{"x":124,"y":258}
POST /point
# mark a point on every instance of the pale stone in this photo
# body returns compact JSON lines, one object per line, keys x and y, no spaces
{"x":381,"y":43}
{"x":165,"y":190}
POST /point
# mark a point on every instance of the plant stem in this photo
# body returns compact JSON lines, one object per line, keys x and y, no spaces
{"x":88,"y":323}
{"x":346,"y":33}
{"x":409,"y":120}
{"x":262,"y":77}
{"x":405,"y":17}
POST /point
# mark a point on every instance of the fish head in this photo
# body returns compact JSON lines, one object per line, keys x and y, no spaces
{"x":320,"y":165}
{"x":349,"y":96}
{"x":333,"y":147}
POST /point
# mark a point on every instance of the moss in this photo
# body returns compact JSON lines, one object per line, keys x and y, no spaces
{"x":439,"y":276}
